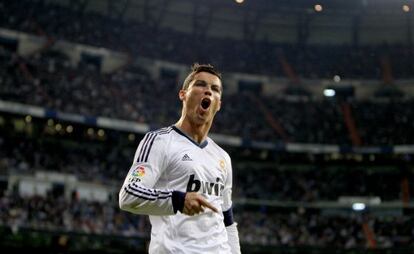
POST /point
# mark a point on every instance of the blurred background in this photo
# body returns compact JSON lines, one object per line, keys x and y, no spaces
{"x":318,"y":117}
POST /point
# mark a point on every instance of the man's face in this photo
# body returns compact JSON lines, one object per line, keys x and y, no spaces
{"x":202,"y":98}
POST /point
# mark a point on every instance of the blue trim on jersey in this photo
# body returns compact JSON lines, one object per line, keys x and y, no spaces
{"x":201,"y":145}
{"x":178,"y":199}
{"x":151,"y":192}
{"x":143,"y":197}
{"x":140,"y":194}
{"x":228,"y":217}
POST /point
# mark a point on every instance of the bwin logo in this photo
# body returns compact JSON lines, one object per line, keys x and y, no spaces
{"x":206,"y":187}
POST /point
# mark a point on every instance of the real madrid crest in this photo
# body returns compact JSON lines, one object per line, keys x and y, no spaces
{"x":222,"y":164}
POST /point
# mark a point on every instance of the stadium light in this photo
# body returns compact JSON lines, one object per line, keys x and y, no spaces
{"x":406,"y":8}
{"x":69,"y":129}
{"x":358,"y":206}
{"x":58,"y":127}
{"x":131,"y":137}
{"x":239,"y":1}
{"x":90,"y":131}
{"x":101,"y":133}
{"x":28,"y":119}
{"x":329,"y":92}
{"x":318,"y":7}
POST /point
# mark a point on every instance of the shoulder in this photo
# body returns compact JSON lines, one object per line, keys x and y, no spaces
{"x":162,"y":133}
{"x":154,"y":143}
{"x":157,"y":137}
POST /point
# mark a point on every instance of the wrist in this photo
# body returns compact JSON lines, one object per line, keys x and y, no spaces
{"x":178,"y":198}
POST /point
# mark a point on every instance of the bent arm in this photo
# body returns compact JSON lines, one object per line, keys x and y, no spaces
{"x":138,"y":194}
{"x":138,"y":199}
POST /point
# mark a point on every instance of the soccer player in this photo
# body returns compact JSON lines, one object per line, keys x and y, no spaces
{"x":182,"y":179}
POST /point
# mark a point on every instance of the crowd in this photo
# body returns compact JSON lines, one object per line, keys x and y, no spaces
{"x":295,"y":229}
{"x":310,"y":121}
{"x":48,"y":79}
{"x":258,"y":226}
{"x":319,"y":230}
{"x":55,"y":213}
{"x":253,"y":56}
{"x":108,"y":163}
{"x":90,"y":161}
{"x":384,"y":123}
{"x":316,"y":183}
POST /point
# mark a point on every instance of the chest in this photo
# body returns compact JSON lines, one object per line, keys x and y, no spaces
{"x":205,"y":165}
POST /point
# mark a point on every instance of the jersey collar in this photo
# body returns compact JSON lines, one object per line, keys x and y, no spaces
{"x":201,"y":145}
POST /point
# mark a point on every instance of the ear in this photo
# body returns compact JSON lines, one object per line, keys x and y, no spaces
{"x":182,"y":94}
{"x":219,"y":105}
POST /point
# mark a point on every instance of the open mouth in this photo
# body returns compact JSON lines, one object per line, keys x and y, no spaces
{"x":205,"y":103}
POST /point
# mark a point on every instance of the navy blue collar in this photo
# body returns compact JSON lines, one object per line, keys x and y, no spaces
{"x":201,"y":145}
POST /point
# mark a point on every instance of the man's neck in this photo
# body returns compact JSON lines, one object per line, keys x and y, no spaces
{"x":197,"y":132}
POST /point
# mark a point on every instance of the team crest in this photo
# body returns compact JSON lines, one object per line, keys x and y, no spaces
{"x":222,"y":164}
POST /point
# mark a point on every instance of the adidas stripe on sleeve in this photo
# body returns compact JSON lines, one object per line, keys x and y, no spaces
{"x":137,"y":194}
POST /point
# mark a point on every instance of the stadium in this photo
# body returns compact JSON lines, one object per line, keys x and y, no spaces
{"x":317,"y":116}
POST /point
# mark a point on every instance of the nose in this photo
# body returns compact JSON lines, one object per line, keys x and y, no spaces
{"x":208,"y":91}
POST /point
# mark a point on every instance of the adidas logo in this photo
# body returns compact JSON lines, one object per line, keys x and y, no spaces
{"x":186,"y":158}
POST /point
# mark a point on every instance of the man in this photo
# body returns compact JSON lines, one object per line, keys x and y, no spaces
{"x":182,"y":179}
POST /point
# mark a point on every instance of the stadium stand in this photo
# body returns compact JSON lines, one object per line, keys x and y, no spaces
{"x":310,"y":61}
{"x":126,"y":95}
{"x":285,"y":202}
{"x":270,"y":226}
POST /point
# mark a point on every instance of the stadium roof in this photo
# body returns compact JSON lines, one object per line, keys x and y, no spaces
{"x":277,"y":20}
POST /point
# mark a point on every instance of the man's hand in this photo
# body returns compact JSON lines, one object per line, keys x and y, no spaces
{"x":194,"y":204}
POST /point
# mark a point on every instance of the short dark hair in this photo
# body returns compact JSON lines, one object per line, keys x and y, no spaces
{"x":197,"y":68}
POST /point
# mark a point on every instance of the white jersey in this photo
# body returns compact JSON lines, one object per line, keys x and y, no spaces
{"x":167,"y":164}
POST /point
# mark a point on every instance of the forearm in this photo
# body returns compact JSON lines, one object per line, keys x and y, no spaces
{"x":138,"y":199}
{"x":233,"y":238}
{"x":232,"y":232}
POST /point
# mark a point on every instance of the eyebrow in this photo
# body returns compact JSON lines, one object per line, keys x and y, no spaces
{"x":213,"y":84}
